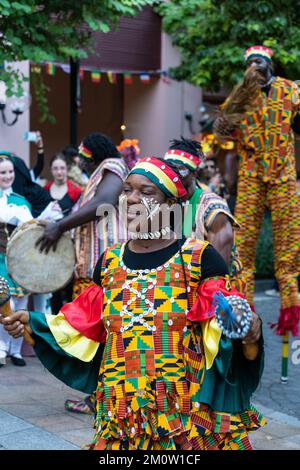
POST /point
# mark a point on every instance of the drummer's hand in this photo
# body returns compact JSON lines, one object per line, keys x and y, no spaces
{"x":255,"y":330}
{"x":14,"y":324}
{"x":50,"y":237}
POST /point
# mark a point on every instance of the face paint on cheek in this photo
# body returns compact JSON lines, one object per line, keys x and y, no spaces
{"x":152,"y":207}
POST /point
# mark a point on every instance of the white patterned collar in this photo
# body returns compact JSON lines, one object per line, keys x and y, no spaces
{"x":5,"y":192}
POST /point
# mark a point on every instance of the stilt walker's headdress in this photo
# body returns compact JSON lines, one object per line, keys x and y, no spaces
{"x":258,"y":51}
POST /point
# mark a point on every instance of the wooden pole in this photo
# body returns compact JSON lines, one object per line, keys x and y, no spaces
{"x":285,"y":358}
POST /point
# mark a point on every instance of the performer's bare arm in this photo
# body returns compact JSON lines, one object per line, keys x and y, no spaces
{"x":108,"y":193}
{"x":231,"y":173}
{"x":220,"y":235}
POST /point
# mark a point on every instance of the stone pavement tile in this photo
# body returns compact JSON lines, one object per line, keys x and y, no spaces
{"x":79,"y":437}
{"x":273,"y":444}
{"x":275,"y":429}
{"x":58,"y":422}
{"x":292,"y":442}
{"x":29,"y":410}
{"x":13,"y":394}
{"x":11,"y":424}
{"x":34,"y":439}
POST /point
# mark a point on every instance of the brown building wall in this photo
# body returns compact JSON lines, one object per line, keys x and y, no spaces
{"x":136,"y":45}
{"x":101,"y":110}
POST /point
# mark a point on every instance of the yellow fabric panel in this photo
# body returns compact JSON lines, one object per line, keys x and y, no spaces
{"x":211,"y":334}
{"x":70,"y":340}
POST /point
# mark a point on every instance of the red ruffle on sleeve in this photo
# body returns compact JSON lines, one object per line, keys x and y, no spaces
{"x":74,"y":191}
{"x":85,"y":314}
{"x":203,"y":307}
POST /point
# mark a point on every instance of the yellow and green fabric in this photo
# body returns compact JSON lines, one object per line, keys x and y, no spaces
{"x":164,"y":375}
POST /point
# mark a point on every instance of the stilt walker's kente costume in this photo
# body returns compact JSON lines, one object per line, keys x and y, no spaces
{"x":267,"y":176}
{"x":146,"y":339}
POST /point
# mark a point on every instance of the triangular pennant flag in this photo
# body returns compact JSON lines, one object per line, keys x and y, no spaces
{"x":165,"y":77}
{"x":50,"y":69}
{"x":65,"y":67}
{"x":96,"y":77}
{"x":112,"y":77}
{"x":128,"y":79}
{"x":145,"y":78}
{"x":81,"y":73}
{"x":36,"y":69}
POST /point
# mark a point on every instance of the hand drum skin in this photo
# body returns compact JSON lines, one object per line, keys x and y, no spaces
{"x":5,"y":308}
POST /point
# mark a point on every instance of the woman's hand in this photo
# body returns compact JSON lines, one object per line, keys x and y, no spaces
{"x":50,"y":237}
{"x":39,"y":141}
{"x":15,"y":323}
{"x":255,"y":330}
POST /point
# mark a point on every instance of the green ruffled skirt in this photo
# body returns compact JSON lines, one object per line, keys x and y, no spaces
{"x":14,"y":288}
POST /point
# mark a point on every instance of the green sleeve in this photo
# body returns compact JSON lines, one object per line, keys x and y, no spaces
{"x":77,"y":374}
{"x":230,"y":382}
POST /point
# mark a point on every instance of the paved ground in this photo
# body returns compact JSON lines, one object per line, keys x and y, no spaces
{"x":32,"y":414}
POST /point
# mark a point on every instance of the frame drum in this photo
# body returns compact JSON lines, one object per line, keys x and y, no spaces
{"x":37,"y":272}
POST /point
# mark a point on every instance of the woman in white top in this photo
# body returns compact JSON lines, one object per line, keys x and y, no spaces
{"x":14,"y":209}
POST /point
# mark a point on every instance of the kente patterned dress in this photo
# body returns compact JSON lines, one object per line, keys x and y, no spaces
{"x":164,"y":375}
{"x":267,"y":176}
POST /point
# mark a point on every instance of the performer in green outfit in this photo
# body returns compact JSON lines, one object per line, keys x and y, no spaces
{"x":14,"y":209}
{"x":207,"y":215}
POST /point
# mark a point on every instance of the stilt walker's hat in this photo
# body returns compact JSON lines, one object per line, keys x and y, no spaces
{"x":258,"y":51}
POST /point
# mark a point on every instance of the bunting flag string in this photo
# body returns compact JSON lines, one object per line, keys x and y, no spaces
{"x":96,"y":75}
{"x":36,"y":69}
{"x":50,"y":69}
{"x":145,"y":78}
{"x":112,"y":77}
{"x":128,"y":80}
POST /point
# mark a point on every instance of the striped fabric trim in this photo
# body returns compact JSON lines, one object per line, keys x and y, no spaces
{"x":84,"y":151}
{"x":188,"y":160}
{"x":70,"y":340}
{"x":161,"y":175}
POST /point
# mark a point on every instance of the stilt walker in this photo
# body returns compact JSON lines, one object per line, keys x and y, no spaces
{"x":262,"y":114}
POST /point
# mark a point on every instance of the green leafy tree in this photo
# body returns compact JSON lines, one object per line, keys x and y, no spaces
{"x":212,"y":36}
{"x":53,"y":30}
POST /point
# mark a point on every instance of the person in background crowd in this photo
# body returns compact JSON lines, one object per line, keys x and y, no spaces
{"x":130,"y":150}
{"x":66,"y":193}
{"x":23,"y":185}
{"x":211,"y":218}
{"x":14,"y":209}
{"x":213,"y":178}
{"x":61,"y":189}
{"x":36,"y":171}
{"x":75,"y":172}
